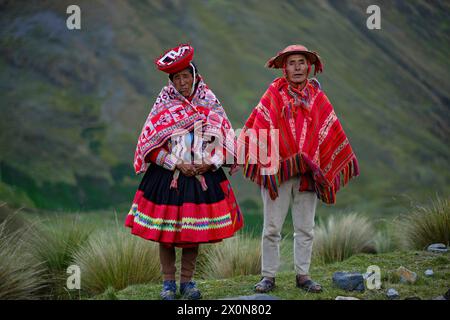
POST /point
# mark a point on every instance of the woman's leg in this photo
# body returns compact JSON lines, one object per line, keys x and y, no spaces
{"x":188,"y":288}
{"x":188,"y":261}
{"x":167,"y":258}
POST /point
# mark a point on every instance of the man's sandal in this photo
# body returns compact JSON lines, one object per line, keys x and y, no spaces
{"x":265,"y":285}
{"x":308,"y":285}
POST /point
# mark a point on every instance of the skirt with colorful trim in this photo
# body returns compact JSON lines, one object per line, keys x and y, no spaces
{"x":187,"y":215}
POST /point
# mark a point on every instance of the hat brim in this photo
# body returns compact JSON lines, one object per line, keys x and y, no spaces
{"x":277,"y":61}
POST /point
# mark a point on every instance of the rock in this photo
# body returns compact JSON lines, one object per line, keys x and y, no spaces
{"x":437,"y":247}
{"x":439,"y":298}
{"x":429,"y":273}
{"x":345,"y":298}
{"x":406,"y":276}
{"x":261,"y":296}
{"x":349,"y":281}
{"x":392,"y":294}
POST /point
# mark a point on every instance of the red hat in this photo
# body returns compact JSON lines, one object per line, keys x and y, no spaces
{"x":312,"y":56}
{"x":176,"y":59}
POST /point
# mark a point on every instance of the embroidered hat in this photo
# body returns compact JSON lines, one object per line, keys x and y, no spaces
{"x":175,"y":59}
{"x":312,"y":56}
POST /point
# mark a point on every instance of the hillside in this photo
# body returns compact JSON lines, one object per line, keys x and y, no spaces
{"x":73,"y":102}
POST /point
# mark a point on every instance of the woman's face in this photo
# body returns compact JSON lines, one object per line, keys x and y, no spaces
{"x":183,"y":81}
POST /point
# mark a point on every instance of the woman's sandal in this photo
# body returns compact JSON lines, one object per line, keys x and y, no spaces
{"x":265,"y":285}
{"x":308,"y":285}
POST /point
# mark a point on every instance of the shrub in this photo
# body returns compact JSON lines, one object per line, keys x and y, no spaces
{"x":116,"y":259}
{"x":425,"y":225}
{"x":21,"y":276}
{"x":240,"y":255}
{"x":341,"y":237}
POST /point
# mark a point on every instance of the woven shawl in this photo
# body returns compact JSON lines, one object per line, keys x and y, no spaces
{"x":172,"y":112}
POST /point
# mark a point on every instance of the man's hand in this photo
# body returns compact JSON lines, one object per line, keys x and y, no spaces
{"x":187,"y":169}
{"x":202,"y":168}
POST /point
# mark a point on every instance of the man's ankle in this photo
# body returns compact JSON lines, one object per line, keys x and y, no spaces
{"x":302,"y":278}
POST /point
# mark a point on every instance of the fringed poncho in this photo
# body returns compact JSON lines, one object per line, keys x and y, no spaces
{"x":312,"y":143}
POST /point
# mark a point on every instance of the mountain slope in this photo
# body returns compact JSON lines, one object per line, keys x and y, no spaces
{"x":73,"y":102}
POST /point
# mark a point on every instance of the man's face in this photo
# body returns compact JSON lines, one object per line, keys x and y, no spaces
{"x":183,"y":82}
{"x":296,"y":68}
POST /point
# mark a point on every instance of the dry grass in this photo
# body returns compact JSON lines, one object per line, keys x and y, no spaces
{"x":240,"y":255}
{"x":341,"y":237}
{"x":114,"y":258}
{"x":425,"y":225}
{"x":21,"y":276}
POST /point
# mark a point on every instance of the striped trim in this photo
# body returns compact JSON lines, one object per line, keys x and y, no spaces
{"x":187,"y":223}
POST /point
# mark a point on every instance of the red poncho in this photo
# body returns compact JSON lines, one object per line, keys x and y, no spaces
{"x":311,"y":141}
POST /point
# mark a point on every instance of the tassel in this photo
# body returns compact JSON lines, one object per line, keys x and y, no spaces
{"x":174,"y":183}
{"x":202,"y":181}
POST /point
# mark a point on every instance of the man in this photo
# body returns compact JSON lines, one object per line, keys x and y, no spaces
{"x":314,"y":158}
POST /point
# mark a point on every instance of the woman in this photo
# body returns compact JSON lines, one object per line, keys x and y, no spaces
{"x":184,"y":198}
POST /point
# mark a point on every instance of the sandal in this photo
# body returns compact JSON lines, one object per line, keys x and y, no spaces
{"x":308,"y":285}
{"x":265,"y":285}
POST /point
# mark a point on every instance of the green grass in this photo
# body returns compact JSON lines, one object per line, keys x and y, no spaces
{"x":417,"y":261}
{"x":117,"y":265}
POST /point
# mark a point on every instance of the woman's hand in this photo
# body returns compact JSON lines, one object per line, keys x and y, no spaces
{"x":187,"y":169}
{"x":202,"y":168}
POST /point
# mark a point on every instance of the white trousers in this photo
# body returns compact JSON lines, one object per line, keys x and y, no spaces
{"x":275,"y":211}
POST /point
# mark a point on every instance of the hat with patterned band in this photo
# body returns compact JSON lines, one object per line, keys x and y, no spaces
{"x":175,"y":59}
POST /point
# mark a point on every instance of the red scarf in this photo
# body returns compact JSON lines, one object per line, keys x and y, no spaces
{"x":312,"y":142}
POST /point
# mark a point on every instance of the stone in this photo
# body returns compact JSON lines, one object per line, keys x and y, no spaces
{"x":439,"y":298}
{"x":429,"y":273}
{"x":406,"y":276}
{"x":437,"y":247}
{"x":349,"y":281}
{"x":392,"y":294}
{"x":345,"y":298}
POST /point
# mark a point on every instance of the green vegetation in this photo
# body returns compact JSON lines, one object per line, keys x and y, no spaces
{"x":426,"y":225}
{"x":37,"y":248}
{"x":21,"y":275}
{"x":343,"y":236}
{"x":240,"y":255}
{"x":113,"y":258}
{"x":73,"y":104}
{"x":70,"y":119}
{"x":417,"y":261}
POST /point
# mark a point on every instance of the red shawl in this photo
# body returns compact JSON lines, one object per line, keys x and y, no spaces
{"x":312,"y":142}
{"x":172,"y":112}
